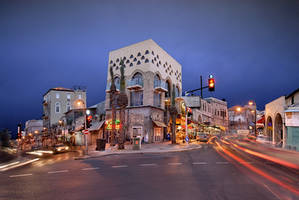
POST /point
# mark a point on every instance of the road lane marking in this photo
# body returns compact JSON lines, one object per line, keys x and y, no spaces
{"x":148,"y":164}
{"x":199,"y":163}
{"x":119,"y":166}
{"x":90,"y":168}
{"x":55,"y":172}
{"x":18,"y":164}
{"x":20,"y":175}
{"x":221,"y":163}
{"x":175,"y":163}
{"x":266,"y":186}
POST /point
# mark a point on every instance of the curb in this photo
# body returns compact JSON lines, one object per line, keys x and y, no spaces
{"x":135,"y":152}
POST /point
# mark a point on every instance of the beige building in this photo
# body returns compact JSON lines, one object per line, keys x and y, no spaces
{"x":58,"y":101}
{"x":150,"y":74}
{"x":282,"y":120}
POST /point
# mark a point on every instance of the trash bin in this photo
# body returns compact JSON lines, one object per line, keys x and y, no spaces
{"x":136,"y":143}
{"x":101,"y":143}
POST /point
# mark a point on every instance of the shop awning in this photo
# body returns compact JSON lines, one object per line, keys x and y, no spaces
{"x":95,"y":126}
{"x":159,"y":124}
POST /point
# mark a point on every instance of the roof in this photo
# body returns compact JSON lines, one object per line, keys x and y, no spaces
{"x":159,"y":124}
{"x":292,"y":93}
{"x":59,"y":89}
{"x":96,"y":125}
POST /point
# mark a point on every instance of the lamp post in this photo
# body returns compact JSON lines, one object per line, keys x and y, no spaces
{"x":252,"y":103}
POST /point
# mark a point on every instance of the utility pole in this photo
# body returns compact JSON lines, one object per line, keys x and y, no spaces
{"x":201,"y":86}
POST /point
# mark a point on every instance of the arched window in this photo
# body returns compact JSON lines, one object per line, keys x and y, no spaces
{"x":138,"y":63}
{"x":157,"y":81}
{"x":146,"y":61}
{"x":131,"y":65}
{"x":57,"y":107}
{"x":142,"y":57}
{"x":177,"y":91}
{"x":117,"y":82}
{"x":167,"y":94}
{"x":139,"y":54}
{"x":136,"y":96}
{"x":68,"y":106}
{"x":146,"y":52}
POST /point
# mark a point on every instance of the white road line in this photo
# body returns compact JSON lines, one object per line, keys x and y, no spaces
{"x":20,"y":175}
{"x":221,"y":163}
{"x":119,"y":166}
{"x":175,"y":163}
{"x":199,"y":163}
{"x":272,"y":191}
{"x":55,"y":172}
{"x":90,"y":168}
{"x":148,"y":164}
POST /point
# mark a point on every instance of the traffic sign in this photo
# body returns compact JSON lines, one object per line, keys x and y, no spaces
{"x":85,"y":132}
{"x":187,"y":139}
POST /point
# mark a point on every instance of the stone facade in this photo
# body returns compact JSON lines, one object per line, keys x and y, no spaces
{"x":58,"y":101}
{"x":158,"y":72}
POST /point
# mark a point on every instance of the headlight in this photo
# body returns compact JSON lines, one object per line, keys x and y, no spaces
{"x":66,"y":148}
{"x":58,"y":149}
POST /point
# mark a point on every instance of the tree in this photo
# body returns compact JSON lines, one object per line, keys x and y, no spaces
{"x":4,"y":138}
{"x":173,"y":113}
{"x":122,"y":102}
{"x":112,"y":104}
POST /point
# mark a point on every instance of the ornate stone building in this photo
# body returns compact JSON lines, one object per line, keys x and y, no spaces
{"x":150,"y":74}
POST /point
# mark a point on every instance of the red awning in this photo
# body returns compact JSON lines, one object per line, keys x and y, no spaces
{"x":261,"y":121}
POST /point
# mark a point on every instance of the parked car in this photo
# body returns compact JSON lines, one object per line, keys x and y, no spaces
{"x":202,"y":137}
{"x":60,"y":148}
{"x":263,"y":139}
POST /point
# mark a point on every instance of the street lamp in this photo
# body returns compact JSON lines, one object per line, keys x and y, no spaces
{"x":87,"y":112}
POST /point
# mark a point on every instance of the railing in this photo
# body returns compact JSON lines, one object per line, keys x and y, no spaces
{"x":135,"y":83}
{"x":159,"y":84}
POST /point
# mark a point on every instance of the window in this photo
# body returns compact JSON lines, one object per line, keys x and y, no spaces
{"x":57,"y":107}
{"x":153,"y":53}
{"x":139,"y":54}
{"x":142,"y":57}
{"x":168,"y":89}
{"x":124,"y":58}
{"x":138,"y":63}
{"x":117,"y":60}
{"x":152,"y":61}
{"x":146,"y":52}
{"x":135,"y":59}
{"x":156,"y":81}
{"x":68,"y":97}
{"x":131,"y":56}
{"x":136,"y":98}
{"x":158,"y":56}
{"x":293,"y":100}
{"x":127,"y":61}
{"x":131,"y":65}
{"x":111,"y":61}
{"x":138,"y":79}
{"x":146,"y":61}
{"x":117,"y":82}
{"x":57,"y":95}
{"x":157,"y":99}
{"x":80,"y":96}
{"x":68,"y":106}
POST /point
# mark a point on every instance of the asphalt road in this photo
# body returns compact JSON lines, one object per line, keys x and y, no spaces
{"x":213,"y":172}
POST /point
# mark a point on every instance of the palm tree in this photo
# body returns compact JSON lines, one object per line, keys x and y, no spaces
{"x":173,"y":113}
{"x":112,"y":104}
{"x":122,"y":102}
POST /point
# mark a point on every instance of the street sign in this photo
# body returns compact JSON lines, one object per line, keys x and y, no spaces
{"x":187,"y":139}
{"x":85,"y":132}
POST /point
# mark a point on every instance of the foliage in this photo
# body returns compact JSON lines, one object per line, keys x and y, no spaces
{"x":5,"y":137}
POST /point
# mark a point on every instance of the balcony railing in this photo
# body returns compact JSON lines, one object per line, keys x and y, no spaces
{"x":109,"y":85}
{"x":160,"y":85}
{"x":135,"y":84}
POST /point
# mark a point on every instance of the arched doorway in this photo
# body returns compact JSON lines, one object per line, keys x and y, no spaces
{"x":269,"y":130}
{"x":278,"y":134}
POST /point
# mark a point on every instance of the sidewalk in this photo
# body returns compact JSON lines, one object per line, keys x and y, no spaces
{"x":145,"y":148}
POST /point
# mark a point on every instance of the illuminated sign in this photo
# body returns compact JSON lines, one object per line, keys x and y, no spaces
{"x":109,"y":124}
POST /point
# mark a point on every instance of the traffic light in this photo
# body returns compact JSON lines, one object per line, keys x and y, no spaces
{"x":211,"y":83}
{"x":88,"y":121}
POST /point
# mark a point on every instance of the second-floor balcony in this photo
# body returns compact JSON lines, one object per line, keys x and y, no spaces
{"x":135,"y":84}
{"x":160,"y":85}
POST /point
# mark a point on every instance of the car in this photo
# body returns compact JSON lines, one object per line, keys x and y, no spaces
{"x":202,"y":137}
{"x":263,"y":139}
{"x":60,"y":148}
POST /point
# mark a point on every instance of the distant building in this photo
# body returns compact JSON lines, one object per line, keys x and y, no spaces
{"x":282,"y":120}
{"x":209,"y":115}
{"x":58,"y":101}
{"x":34,"y":129}
{"x":242,"y":119}
{"x":150,"y":75}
